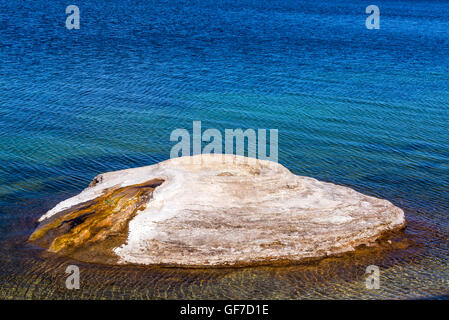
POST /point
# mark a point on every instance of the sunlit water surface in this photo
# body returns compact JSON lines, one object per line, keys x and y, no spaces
{"x":362,"y":108}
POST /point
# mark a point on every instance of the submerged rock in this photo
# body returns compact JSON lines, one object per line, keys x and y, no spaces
{"x":213,"y":210}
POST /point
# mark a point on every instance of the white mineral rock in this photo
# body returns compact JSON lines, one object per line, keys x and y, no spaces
{"x":215,"y":210}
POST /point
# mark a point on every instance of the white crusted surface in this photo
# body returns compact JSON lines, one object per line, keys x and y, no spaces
{"x":225,"y":209}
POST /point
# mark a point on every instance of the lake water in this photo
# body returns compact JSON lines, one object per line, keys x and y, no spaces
{"x":368,"y":109}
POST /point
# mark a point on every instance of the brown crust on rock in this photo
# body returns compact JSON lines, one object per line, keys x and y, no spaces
{"x":91,"y":230}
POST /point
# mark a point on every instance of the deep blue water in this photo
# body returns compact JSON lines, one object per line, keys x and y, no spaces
{"x":363,"y":108}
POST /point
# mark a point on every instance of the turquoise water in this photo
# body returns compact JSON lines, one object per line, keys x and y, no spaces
{"x":357,"y":107}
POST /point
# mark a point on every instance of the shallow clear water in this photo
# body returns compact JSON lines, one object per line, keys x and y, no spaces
{"x":357,"y":107}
